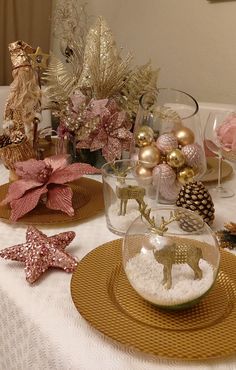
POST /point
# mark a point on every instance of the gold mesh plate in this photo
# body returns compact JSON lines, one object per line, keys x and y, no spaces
{"x":212,"y":170}
{"x":104,"y":297}
{"x":87,"y":202}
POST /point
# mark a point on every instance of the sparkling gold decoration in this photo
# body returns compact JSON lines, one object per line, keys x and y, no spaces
{"x":175,"y":158}
{"x":185,"y":175}
{"x":60,"y":81}
{"x":195,"y":196}
{"x":184,"y":136}
{"x":150,"y":156}
{"x":94,"y":64}
{"x":144,"y":136}
{"x":141,"y":80}
{"x":104,"y":71}
{"x":39,"y":59}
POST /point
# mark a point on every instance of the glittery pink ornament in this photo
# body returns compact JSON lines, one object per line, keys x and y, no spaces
{"x":193,"y":155}
{"x":167,"y":142}
{"x":170,"y":192}
{"x":40,"y":252}
{"x":165,"y":176}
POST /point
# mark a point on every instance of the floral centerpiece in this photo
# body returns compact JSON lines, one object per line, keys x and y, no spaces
{"x":95,"y":94}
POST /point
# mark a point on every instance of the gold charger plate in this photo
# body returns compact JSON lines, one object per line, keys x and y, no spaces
{"x":104,"y":297}
{"x":87,"y":201}
{"x":212,"y":170}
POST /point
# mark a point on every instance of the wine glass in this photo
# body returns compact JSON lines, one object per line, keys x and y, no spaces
{"x":216,"y":142}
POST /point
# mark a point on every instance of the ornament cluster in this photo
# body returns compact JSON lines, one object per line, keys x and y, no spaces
{"x":175,"y":157}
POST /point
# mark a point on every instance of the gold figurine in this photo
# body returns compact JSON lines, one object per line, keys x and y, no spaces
{"x":175,"y":254}
{"x":172,"y":253}
{"x":129,"y":192}
{"x":125,"y":192}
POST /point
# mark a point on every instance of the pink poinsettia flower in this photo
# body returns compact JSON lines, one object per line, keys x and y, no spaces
{"x":111,"y":134}
{"x":44,"y":178}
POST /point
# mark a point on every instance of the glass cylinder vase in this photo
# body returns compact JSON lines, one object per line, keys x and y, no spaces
{"x":169,"y":120}
{"x":126,"y":185}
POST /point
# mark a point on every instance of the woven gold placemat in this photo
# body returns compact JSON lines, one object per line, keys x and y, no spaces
{"x":104,"y":297}
{"x":87,"y":202}
{"x":211,"y":173}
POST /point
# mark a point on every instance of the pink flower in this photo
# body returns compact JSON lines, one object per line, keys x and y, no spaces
{"x":227,"y":133}
{"x":111,"y":134}
{"x":44,"y":178}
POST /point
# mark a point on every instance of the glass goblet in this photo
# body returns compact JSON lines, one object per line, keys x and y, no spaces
{"x":214,"y":141}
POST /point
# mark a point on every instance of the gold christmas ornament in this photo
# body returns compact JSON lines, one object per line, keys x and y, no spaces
{"x":196,"y":197}
{"x":185,"y":136}
{"x":175,"y":158}
{"x":144,"y":136}
{"x":185,"y":175}
{"x":143,"y":172}
{"x":150,"y":155}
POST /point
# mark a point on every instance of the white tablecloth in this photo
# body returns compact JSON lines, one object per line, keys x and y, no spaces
{"x":41,"y":329}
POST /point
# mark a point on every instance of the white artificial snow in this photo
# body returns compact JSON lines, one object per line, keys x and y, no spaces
{"x":122,"y":222}
{"x":146,"y":275}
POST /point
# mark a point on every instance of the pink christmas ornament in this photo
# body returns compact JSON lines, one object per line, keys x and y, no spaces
{"x":167,"y":142}
{"x":170,"y":192}
{"x":40,"y":252}
{"x":168,"y":187}
{"x":166,"y":174}
{"x":193,"y":155}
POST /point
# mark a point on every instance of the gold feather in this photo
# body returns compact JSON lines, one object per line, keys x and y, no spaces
{"x":59,"y":81}
{"x":61,"y":78}
{"x":104,"y":71}
{"x":143,"y":79}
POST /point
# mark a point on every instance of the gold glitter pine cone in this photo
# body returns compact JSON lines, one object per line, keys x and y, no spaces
{"x":195,"y":197}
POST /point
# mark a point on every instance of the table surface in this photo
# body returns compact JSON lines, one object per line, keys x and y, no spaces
{"x":41,"y":329}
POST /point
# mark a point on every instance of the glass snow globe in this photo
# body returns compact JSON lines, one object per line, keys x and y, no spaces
{"x":170,"y":256}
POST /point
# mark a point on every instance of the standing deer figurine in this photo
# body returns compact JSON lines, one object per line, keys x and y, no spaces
{"x":125,"y":192}
{"x":129,"y":192}
{"x":172,"y":253}
{"x":176,"y":254}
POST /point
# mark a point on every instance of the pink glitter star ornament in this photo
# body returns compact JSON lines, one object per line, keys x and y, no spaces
{"x":40,"y":252}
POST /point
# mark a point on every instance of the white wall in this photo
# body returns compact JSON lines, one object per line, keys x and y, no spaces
{"x":193,"y":41}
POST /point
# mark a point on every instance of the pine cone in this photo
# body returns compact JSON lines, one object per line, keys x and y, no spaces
{"x":17,"y":137}
{"x":4,"y":140}
{"x":195,"y":197}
